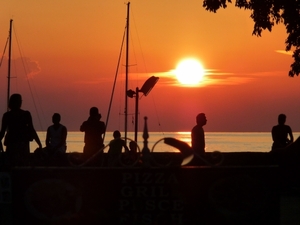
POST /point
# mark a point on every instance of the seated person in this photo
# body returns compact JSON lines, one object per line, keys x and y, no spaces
{"x":115,"y":149}
{"x":133,"y":147}
{"x":282,"y":134}
{"x":56,"y":137}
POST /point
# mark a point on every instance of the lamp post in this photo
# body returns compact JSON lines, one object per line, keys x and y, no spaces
{"x":146,"y":88}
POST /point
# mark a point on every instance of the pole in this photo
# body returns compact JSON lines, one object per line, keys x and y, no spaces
{"x":9,"y":63}
{"x":136,"y":113}
{"x":126,"y":79}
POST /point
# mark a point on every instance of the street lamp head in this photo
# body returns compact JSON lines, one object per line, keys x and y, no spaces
{"x":148,"y":85}
{"x":146,"y":88}
{"x":130,"y":93}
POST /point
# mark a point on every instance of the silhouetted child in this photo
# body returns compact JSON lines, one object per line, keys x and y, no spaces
{"x":115,"y":149}
{"x":133,"y":155}
{"x":133,"y":147}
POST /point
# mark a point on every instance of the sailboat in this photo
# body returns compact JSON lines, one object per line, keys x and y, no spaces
{"x":228,"y":189}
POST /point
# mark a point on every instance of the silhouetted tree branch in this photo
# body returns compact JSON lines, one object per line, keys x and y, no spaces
{"x":267,"y":13}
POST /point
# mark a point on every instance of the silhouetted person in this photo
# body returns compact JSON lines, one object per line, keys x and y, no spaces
{"x":56,"y":137}
{"x":115,"y":148}
{"x":94,"y":130}
{"x":133,"y":154}
{"x":133,"y":147}
{"x":282,"y":134}
{"x":18,"y":130}
{"x":197,"y":134}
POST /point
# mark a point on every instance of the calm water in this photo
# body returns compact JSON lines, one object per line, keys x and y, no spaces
{"x":215,"y":141}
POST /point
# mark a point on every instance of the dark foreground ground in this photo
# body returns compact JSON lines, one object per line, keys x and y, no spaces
{"x":164,"y":177}
{"x":290,"y":210}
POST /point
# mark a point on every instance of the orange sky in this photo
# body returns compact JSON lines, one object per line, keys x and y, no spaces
{"x":72,"y":48}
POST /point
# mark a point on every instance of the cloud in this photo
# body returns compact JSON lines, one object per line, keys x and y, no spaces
{"x":211,"y":77}
{"x":136,"y":77}
{"x":284,"y":52}
{"x":21,"y":67}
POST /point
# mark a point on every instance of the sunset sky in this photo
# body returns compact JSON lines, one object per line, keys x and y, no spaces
{"x":69,"y":50}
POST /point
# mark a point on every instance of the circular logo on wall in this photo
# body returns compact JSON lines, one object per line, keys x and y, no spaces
{"x":238,"y":197}
{"x":52,"y":199}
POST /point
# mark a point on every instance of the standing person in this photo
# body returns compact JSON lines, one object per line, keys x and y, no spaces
{"x":282,"y":134}
{"x":56,"y":136}
{"x":197,"y":134}
{"x":18,"y":130}
{"x":94,"y":130}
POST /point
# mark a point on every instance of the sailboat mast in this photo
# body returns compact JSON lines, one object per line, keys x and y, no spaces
{"x":126,"y":73}
{"x":9,"y":62}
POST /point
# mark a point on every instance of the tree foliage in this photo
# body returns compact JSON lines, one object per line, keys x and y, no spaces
{"x":266,"y":14}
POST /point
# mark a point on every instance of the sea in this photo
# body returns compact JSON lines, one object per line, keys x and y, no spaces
{"x":215,"y":141}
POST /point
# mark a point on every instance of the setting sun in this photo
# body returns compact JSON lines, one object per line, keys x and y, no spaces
{"x":189,"y":72}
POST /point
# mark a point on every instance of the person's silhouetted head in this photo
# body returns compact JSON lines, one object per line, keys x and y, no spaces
{"x":15,"y":101}
{"x":133,"y":146}
{"x":281,"y":119}
{"x":117,"y":134}
{"x":201,"y":119}
{"x":94,"y":112}
{"x":56,"y":118}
